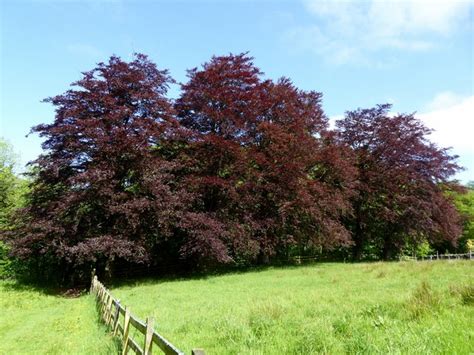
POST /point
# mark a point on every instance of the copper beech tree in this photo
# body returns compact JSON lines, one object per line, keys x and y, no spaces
{"x":237,"y":170}
{"x":266,"y":177}
{"x":102,"y":193}
{"x":401,"y":184}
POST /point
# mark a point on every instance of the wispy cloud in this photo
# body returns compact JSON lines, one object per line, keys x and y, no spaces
{"x":444,"y":100}
{"x":352,"y":31}
{"x":451,"y":117}
{"x":85,"y":50}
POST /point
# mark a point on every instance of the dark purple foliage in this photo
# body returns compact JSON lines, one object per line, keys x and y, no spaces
{"x":238,"y":170}
{"x":102,"y":191}
{"x":264,"y":166}
{"x":400,"y":196}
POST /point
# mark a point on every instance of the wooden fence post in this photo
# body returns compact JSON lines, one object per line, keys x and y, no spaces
{"x":148,"y":336}
{"x":116,"y":317}
{"x":100,"y":294}
{"x":102,"y":302}
{"x":92,"y":280}
{"x":109,"y":310}
{"x":94,"y":285}
{"x":126,"y":328}
{"x":104,"y":306}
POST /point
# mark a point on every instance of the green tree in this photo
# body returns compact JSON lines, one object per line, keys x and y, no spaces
{"x":12,"y":187}
{"x":12,"y":192}
{"x":465,"y":204}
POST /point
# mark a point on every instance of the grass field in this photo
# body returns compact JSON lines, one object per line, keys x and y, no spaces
{"x":408,"y":307}
{"x":32,"y":322}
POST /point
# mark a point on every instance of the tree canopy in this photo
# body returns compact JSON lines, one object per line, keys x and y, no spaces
{"x":12,"y":197}
{"x":100,"y":192}
{"x":264,"y":172}
{"x":237,"y":170}
{"x":400,"y":194}
{"x":12,"y":187}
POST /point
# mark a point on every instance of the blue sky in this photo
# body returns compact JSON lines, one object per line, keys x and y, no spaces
{"x":417,"y":54}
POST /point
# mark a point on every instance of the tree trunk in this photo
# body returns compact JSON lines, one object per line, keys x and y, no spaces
{"x":357,"y":251}
{"x":388,"y":248}
{"x":358,"y":238}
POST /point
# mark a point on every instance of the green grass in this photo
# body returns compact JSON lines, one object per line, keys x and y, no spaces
{"x":32,"y":322}
{"x":407,"y":307}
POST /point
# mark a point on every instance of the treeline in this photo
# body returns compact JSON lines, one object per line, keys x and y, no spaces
{"x":238,"y":170}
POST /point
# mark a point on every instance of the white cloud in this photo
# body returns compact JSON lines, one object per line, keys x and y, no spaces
{"x":85,"y":50}
{"x":351,"y":30}
{"x":333,"y":119}
{"x":452,"y":118}
{"x":453,"y":124}
{"x":444,"y":100}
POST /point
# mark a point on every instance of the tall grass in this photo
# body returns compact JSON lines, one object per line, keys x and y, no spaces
{"x":322,"y":308}
{"x":372,"y":308}
{"x":34,"y":322}
{"x":424,"y":300}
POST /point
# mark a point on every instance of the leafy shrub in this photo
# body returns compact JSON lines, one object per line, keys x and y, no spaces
{"x":5,"y":262}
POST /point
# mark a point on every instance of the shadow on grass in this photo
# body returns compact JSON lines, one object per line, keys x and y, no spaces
{"x":206,"y":275}
{"x":24,"y":285}
{"x":143,"y":275}
{"x":150,"y":277}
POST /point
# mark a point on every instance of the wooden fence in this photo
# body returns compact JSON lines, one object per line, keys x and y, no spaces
{"x":298,"y":260}
{"x":469,"y":256}
{"x":120,"y":320}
